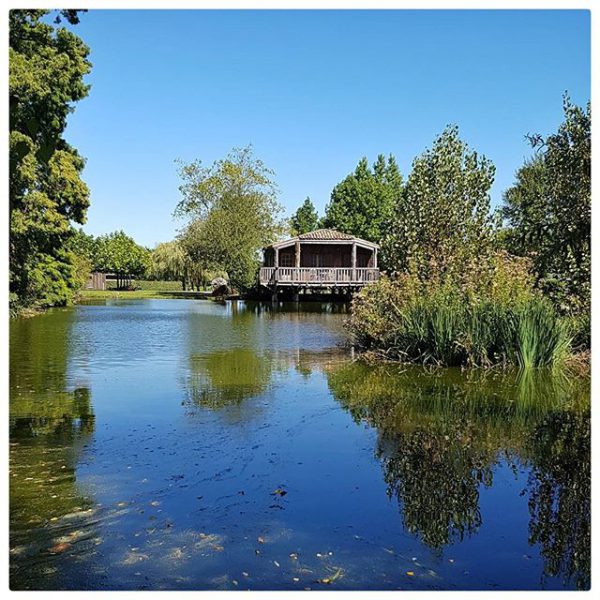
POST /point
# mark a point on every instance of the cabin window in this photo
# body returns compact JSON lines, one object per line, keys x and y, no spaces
{"x":286,"y":260}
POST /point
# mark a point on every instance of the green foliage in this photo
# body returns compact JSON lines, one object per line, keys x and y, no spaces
{"x":362,"y":203}
{"x":234,"y":214}
{"x":47,"y":66}
{"x":169,"y":262}
{"x":442,"y":219}
{"x":118,"y":253}
{"x":489,"y":316}
{"x":305,"y":219}
{"x":548,"y":211}
{"x":84,"y":245}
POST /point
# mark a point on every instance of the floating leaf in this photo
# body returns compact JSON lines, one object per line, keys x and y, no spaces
{"x":59,"y":548}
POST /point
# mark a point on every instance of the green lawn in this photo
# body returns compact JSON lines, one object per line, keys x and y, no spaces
{"x":147,"y":285}
{"x":149,"y":289}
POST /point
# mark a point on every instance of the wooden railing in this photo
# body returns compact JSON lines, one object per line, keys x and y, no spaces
{"x":317,"y":275}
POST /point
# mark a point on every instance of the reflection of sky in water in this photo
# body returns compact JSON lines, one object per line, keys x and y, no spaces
{"x":239,"y":449}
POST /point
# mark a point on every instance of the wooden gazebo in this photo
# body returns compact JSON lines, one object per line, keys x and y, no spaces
{"x":321,"y":259}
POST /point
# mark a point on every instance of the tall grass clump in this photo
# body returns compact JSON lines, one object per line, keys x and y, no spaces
{"x":483,"y":319}
{"x":542,"y":336}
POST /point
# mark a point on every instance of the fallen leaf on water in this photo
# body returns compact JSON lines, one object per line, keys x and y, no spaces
{"x":60,"y":547}
{"x":296,"y":579}
{"x":330,"y":580}
{"x":294,"y":556}
{"x":261,"y":540}
{"x":278,"y":492}
{"x":275,"y":563}
{"x":245,"y":574}
{"x":410,"y":573}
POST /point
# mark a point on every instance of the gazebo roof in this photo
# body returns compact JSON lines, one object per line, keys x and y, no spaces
{"x":327,"y":236}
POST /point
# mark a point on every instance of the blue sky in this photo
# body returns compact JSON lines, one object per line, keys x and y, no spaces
{"x":313,"y":91}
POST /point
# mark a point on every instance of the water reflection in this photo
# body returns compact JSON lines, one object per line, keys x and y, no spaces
{"x":227,"y":377}
{"x":49,"y":425}
{"x":560,"y":495}
{"x":441,"y":434}
{"x":235,"y":351}
{"x":151,"y":443}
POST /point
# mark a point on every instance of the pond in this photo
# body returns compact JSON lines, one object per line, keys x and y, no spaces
{"x":181,"y":444}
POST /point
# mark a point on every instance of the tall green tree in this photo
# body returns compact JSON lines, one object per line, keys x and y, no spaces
{"x":305,"y":219}
{"x":442,"y":219}
{"x":548,"y":210}
{"x":119,"y":254}
{"x":363,"y":202}
{"x":170,"y":262}
{"x":47,"y":65}
{"x":233,"y":211}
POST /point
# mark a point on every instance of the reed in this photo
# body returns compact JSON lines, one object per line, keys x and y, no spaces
{"x":446,"y":330}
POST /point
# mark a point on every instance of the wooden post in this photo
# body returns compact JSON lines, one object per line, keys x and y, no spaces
{"x":375,"y":258}
{"x":297,"y":276}
{"x":353,"y":261}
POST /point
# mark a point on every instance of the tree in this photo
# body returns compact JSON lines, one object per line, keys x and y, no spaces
{"x":84,"y":245}
{"x":362,"y":203}
{"x":47,"y":66}
{"x":548,"y":210}
{"x":233,"y":209}
{"x":118,"y":253}
{"x":442,"y":219}
{"x":305,"y":219}
{"x":170,"y":262}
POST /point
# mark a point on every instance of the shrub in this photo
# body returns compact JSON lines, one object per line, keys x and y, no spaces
{"x":489,"y":315}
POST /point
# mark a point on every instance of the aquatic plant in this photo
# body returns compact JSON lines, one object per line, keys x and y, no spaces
{"x":443,"y":324}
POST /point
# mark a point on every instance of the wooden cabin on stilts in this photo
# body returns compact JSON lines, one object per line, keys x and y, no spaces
{"x":319,"y":261}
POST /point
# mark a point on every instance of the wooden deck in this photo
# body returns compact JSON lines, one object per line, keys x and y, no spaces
{"x":317,"y":276}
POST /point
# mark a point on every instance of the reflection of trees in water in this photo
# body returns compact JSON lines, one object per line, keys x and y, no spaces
{"x":441,"y":433}
{"x":560,"y":495}
{"x":45,"y":448}
{"x":436,"y":477}
{"x":227,"y":377}
{"x":48,"y":425}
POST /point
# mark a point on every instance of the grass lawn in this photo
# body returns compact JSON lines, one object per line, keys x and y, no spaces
{"x":149,"y":289}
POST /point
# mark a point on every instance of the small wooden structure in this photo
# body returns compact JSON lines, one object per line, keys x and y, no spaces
{"x":96,"y":281}
{"x":317,"y":260}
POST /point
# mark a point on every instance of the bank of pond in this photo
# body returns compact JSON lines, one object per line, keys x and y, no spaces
{"x":185,"y":444}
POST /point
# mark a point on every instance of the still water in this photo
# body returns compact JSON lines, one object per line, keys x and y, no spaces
{"x":185,"y":444}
